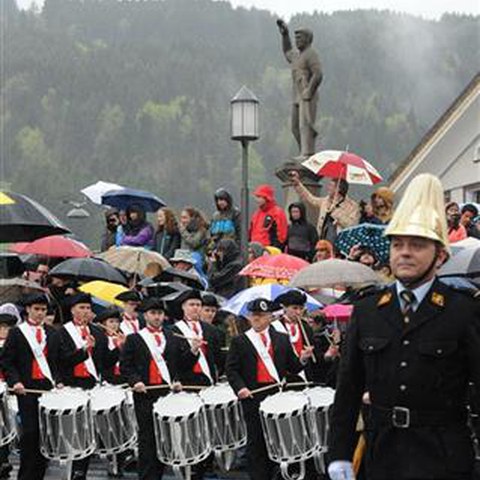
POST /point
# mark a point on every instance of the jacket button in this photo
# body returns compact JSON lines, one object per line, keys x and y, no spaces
{"x":403,"y":388}
{"x":370,"y":347}
{"x":406,"y":342}
{"x":403,"y":364}
{"x":439,"y":351}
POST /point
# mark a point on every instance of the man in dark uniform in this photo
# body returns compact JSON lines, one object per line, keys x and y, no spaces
{"x":82,"y":351}
{"x":250,"y":367}
{"x":28,"y":362}
{"x":414,"y":347}
{"x":148,"y":359}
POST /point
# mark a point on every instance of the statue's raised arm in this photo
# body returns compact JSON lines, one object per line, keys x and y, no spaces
{"x":286,"y":42}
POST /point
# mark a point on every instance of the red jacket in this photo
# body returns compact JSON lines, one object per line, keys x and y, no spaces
{"x":269,"y":223}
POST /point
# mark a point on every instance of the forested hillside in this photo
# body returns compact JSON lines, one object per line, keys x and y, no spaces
{"x":137,"y":92}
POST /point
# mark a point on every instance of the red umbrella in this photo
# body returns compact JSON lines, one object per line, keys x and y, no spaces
{"x":54,"y":246}
{"x":338,"y":312}
{"x":347,"y":165}
{"x":281,"y":267}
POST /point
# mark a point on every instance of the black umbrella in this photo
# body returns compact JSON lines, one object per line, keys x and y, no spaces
{"x":11,"y":265}
{"x":173,"y":275}
{"x":24,"y":220}
{"x":464,"y":264}
{"x":162,"y":289}
{"x":87,"y":269}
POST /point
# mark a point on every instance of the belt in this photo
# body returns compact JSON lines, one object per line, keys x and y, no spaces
{"x":403,"y":417}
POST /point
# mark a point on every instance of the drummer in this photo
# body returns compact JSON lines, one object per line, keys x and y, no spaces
{"x":259,"y":358}
{"x":131,"y":322}
{"x":28,"y":363}
{"x":7,"y":321}
{"x":109,"y":320}
{"x":148,"y":359}
{"x":82,"y":350}
{"x":298,"y":330}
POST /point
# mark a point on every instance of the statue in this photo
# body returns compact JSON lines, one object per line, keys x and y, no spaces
{"x":306,"y":76}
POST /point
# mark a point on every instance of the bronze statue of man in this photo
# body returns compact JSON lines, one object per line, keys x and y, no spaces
{"x":307,"y":76}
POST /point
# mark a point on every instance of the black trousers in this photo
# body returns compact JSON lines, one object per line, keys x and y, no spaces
{"x":149,"y":467}
{"x":32,"y":462}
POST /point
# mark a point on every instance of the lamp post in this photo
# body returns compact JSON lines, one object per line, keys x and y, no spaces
{"x":244,"y":128}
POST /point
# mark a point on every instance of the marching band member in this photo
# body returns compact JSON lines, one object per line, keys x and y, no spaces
{"x":148,"y":359}
{"x":7,"y":321}
{"x":28,"y":362}
{"x":298,"y":330}
{"x":131,"y":323}
{"x":258,"y":358}
{"x":109,"y":320}
{"x":82,"y":350}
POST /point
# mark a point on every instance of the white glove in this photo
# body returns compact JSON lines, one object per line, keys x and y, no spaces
{"x":341,"y":470}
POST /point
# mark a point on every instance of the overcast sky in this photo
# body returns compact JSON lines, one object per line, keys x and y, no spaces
{"x":286,"y":8}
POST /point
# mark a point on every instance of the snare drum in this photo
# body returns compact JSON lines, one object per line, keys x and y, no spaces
{"x":181,"y":433}
{"x":7,"y":419}
{"x":114,"y":429}
{"x":225,"y":422}
{"x":66,"y":425}
{"x":287,"y":430}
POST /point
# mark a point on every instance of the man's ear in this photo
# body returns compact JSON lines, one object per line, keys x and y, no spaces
{"x":442,"y":256}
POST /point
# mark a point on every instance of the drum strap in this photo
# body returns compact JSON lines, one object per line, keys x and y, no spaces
{"x":80,"y":343}
{"x":38,"y":349}
{"x":202,"y":360}
{"x":156,"y":351}
{"x":262,"y":351}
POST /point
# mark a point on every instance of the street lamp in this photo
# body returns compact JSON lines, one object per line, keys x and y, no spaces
{"x":244,"y":128}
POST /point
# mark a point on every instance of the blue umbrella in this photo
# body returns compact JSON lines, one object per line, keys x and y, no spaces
{"x":367,"y":235}
{"x":238,"y":303}
{"x":126,"y":197}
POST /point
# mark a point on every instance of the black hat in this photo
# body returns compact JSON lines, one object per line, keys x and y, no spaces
{"x":151,"y":303}
{"x":260,"y":305}
{"x":8,"y":319}
{"x":78,"y":298}
{"x":209,"y":300}
{"x":108,"y":313}
{"x":35,"y":298}
{"x":292,"y":297}
{"x":129,"y":296}
{"x":191,"y":294}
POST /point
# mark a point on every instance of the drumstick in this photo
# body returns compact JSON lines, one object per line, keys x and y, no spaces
{"x":194,"y":387}
{"x":30,"y":391}
{"x":157,"y":387}
{"x":298,"y":384}
{"x":266,"y":388}
{"x":307,"y":340}
{"x":188,"y":338}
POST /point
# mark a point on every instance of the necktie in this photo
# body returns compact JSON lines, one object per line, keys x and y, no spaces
{"x":409,"y":299}
{"x":38,"y":334}
{"x":195,"y":327}
{"x":264,"y":340}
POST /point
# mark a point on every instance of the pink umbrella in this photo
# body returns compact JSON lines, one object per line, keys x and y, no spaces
{"x":338,"y":312}
{"x":280,"y":267}
{"x":53,"y":246}
{"x":346,"y":165}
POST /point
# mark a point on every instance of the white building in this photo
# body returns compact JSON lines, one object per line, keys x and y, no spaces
{"x":450,"y":150}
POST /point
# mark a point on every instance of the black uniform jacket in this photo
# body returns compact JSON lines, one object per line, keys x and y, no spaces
{"x":424,"y":365}
{"x":241,"y":365}
{"x":17,"y":358}
{"x":186,"y":360}
{"x":69,"y":356}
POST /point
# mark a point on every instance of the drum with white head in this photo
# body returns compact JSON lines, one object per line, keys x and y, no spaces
{"x":225,"y":422}
{"x":66,"y":425}
{"x":7,"y":419}
{"x":112,"y":418}
{"x":181,"y":433}
{"x":287,"y":430}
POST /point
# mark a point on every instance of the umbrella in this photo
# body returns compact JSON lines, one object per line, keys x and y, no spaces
{"x":122,"y":199}
{"x":366,"y":235}
{"x":464,"y":264}
{"x":24,"y":220}
{"x":94,"y":192}
{"x":338,"y":312}
{"x":334,"y":272}
{"x":11,"y":265}
{"x":133,"y":259}
{"x":238,"y":303}
{"x":87,"y":269}
{"x":461,"y":283}
{"x":347,"y":165}
{"x":163,"y":289}
{"x":171,"y":274}
{"x":54,"y":246}
{"x":280,"y":267}
{"x":469,"y":242}
{"x":12,"y":289}
{"x":104,"y":291}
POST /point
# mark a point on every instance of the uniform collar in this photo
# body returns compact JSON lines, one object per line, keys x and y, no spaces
{"x":419,"y":292}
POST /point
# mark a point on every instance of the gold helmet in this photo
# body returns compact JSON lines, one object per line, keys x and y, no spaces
{"x":421,"y":212}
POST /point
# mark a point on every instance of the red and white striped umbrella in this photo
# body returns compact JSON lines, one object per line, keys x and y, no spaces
{"x":347,"y":165}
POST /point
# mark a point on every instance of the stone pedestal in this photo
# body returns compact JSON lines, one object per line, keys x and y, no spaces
{"x":308,"y":178}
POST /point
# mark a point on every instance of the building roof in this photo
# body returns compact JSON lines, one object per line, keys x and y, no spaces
{"x":469,"y":92}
